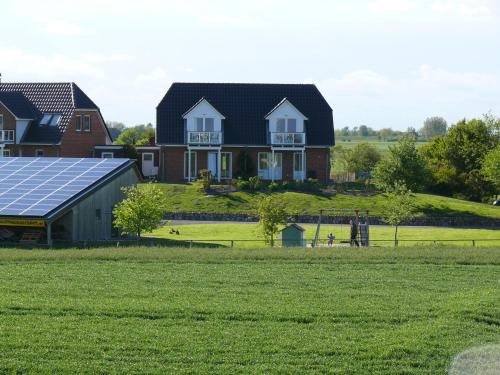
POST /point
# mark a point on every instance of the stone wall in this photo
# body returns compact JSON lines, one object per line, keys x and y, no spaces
{"x":440,"y":221}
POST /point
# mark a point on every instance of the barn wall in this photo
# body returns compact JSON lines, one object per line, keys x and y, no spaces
{"x":86,"y":225}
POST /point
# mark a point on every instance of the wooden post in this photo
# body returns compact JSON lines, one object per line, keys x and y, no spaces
{"x":49,"y":234}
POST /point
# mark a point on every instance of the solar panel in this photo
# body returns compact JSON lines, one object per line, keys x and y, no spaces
{"x":36,"y":186}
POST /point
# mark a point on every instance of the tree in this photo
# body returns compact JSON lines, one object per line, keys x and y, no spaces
{"x":401,"y":208}
{"x":116,"y":125}
{"x":138,"y":135}
{"x":403,"y":166}
{"x":491,"y":168}
{"x":456,"y":159}
{"x":141,"y":211}
{"x":493,"y":123}
{"x":363,"y":131}
{"x":363,"y":158}
{"x":272,"y":214}
{"x":385,"y":133}
{"x":434,"y":126}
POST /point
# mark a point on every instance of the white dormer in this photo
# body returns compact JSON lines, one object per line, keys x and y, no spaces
{"x":203,"y":117}
{"x":286,"y":124}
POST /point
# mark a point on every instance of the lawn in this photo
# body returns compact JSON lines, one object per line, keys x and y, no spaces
{"x":162,"y":311}
{"x":188,"y":198}
{"x":381,"y":145}
{"x":250,"y":235}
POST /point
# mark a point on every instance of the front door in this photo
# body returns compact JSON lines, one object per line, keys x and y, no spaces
{"x":298,"y":166}
{"x":266,"y":166}
{"x":212,"y":163}
{"x":148,"y":163}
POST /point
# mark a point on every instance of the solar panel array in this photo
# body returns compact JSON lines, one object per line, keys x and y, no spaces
{"x":36,"y":186}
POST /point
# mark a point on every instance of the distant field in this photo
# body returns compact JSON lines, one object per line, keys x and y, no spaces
{"x":251,"y":237}
{"x":186,"y":197}
{"x":342,"y":311}
{"x":381,"y":145}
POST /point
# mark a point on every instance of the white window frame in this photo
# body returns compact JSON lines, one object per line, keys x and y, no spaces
{"x":303,"y":164}
{"x":204,"y":124}
{"x":83,"y":124}
{"x":230,"y":166}
{"x":186,"y":162}
{"x":78,"y":123}
{"x":5,"y":152}
{"x":37,"y":151}
{"x":109,"y":155}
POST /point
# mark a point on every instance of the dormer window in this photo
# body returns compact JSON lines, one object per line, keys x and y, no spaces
{"x":50,"y":119}
{"x":204,"y":124}
{"x":284,"y":125}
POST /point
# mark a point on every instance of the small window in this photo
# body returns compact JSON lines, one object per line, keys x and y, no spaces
{"x":6,"y":153}
{"x":225,"y":164}
{"x":1,"y":122}
{"x":39,"y":153}
{"x":292,"y":125}
{"x":280,"y":125}
{"x":147,"y":156}
{"x":209,"y":124}
{"x":55,"y":119}
{"x":98,"y":214}
{"x":86,"y":124}
{"x":78,"y":123}
{"x":45,"y":119}
{"x":107,"y":155}
{"x":199,"y":124}
{"x":193,"y":164}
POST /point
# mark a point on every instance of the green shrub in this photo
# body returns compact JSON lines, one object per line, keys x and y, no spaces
{"x":273,"y":186}
{"x":241,"y":184}
{"x":206,"y":179}
{"x":255,"y":183}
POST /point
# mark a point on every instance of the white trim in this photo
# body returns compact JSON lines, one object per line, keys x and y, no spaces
{"x":230,"y":165}
{"x":282,"y":102}
{"x":90,"y":124}
{"x":107,"y":153}
{"x":108,"y":147}
{"x":188,"y":176}
{"x":185,"y":114}
{"x":147,"y":148}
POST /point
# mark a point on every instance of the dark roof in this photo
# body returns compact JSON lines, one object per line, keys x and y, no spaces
{"x":45,"y":97}
{"x":245,"y":106}
{"x":295,"y":226}
{"x":17,"y":103}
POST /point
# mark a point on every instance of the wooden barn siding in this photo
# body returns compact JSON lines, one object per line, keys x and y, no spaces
{"x":86,"y":226}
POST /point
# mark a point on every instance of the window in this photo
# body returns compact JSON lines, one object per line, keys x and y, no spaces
{"x":225,"y":164}
{"x":193,"y":164}
{"x":204,"y":124}
{"x":45,"y":119}
{"x":38,"y":153}
{"x":6,"y":153}
{"x":280,"y":125}
{"x":78,"y":123}
{"x":264,"y":160}
{"x":147,"y":156}
{"x":55,"y":119}
{"x":292,"y":125}
{"x":86,"y":124}
{"x":107,"y":155}
{"x":1,"y":122}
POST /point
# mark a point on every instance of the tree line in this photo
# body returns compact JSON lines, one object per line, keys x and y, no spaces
{"x":463,"y":163}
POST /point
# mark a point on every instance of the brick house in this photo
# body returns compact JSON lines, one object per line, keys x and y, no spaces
{"x":284,"y":130}
{"x":49,"y":119}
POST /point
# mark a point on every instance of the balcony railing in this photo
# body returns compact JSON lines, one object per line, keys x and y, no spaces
{"x":204,"y":138}
{"x":288,"y":138}
{"x":7,"y":136}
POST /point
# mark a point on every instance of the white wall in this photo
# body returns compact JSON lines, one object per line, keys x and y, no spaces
{"x":21,"y":126}
{"x":203,"y":109}
{"x":286,"y":110}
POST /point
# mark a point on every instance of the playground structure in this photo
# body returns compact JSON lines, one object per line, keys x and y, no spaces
{"x":343,"y":217}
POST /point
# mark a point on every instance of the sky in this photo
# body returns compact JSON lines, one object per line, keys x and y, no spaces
{"x":381,"y":63}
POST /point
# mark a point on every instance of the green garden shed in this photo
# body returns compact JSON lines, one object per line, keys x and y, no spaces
{"x":293,"y":236}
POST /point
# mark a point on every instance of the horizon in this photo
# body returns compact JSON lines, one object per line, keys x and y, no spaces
{"x":379,"y":63}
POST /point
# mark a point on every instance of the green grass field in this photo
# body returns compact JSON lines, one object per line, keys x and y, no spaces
{"x":186,"y":197}
{"x":381,"y":145}
{"x":341,"y":311}
{"x":251,"y":237}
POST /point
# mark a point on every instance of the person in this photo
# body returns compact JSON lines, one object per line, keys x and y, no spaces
{"x":354,"y":233}
{"x":331,"y":239}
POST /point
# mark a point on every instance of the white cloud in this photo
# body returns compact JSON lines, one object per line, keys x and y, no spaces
{"x":157,"y":75}
{"x":15,"y":62}
{"x":392,"y":6}
{"x":463,"y":8}
{"x":99,"y":58}
{"x":224,"y":20}
{"x":63,"y":28}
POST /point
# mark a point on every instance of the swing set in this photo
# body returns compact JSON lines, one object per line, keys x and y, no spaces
{"x":344,"y":217}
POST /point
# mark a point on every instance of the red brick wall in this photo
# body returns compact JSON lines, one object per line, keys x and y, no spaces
{"x":48,"y":151}
{"x":80,"y":143}
{"x":9,"y":121}
{"x":172,"y":165}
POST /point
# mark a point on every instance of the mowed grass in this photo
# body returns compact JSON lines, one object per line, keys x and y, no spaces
{"x":381,"y":145}
{"x":248,"y":235}
{"x":189,"y":198}
{"x":341,"y":311}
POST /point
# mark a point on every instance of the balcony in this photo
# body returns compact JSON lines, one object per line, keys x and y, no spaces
{"x":7,"y":136}
{"x":204,"y":138}
{"x":288,"y":139}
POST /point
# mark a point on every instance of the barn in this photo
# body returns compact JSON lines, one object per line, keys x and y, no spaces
{"x":43,"y":200}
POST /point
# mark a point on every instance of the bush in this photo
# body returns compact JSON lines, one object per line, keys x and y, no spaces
{"x":241,"y":184}
{"x":206,"y":179}
{"x":273,"y":186}
{"x":255,"y":183}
